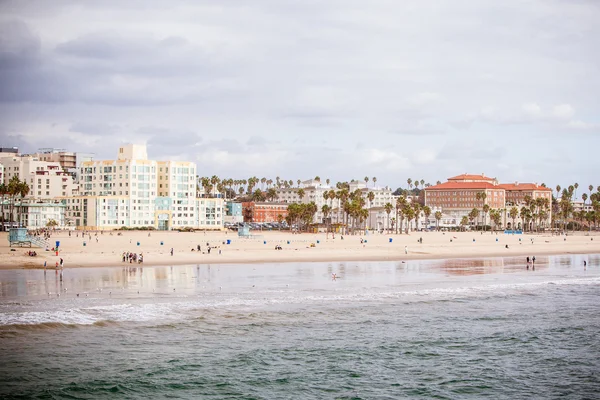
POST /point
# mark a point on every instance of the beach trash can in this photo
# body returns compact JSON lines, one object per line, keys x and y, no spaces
{"x":265,"y":242}
{"x":138,"y":243}
{"x":391,"y":240}
{"x":84,"y":244}
{"x":496,"y":239}
{"x":161,"y":242}
{"x":318,"y":241}
{"x":519,"y":239}
{"x":57,"y":244}
{"x":365,"y":241}
{"x":228,"y":241}
{"x":288,"y":242}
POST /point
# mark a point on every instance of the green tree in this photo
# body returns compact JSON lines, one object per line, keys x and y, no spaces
{"x":464,"y":222}
{"x":513,"y":213}
{"x":388,"y":207}
{"x":427,"y":213}
{"x":438,"y":218}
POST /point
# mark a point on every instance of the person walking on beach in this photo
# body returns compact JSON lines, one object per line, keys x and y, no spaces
{"x":171,"y":252}
{"x":405,"y":249}
{"x":584,"y":264}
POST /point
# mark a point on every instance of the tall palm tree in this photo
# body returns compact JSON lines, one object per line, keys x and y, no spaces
{"x":3,"y":193}
{"x":370,"y":197}
{"x":327,"y":181}
{"x":575,"y":185}
{"x":557,"y":191}
{"x":485,"y":209}
{"x":367,"y":181}
{"x":23,"y":191}
{"x":409,"y":181}
{"x":427,"y":212}
{"x":298,"y":181}
{"x":591,"y":189}
{"x":438,"y":217}
{"x":513,"y":214}
{"x":374,"y":181}
{"x":388,"y":209}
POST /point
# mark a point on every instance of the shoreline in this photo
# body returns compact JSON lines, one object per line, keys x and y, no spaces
{"x":106,"y":250}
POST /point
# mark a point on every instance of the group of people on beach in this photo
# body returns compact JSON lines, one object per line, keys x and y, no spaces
{"x":133,"y":257}
{"x":532,"y":261}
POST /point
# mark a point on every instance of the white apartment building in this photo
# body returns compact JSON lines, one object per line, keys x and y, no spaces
{"x":34,"y":214}
{"x":210,"y":213}
{"x":46,"y":180}
{"x":133,"y":191}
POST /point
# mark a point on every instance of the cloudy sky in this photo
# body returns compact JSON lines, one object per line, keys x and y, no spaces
{"x":298,"y":88}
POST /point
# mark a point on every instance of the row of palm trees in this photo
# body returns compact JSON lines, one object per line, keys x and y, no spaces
{"x":406,"y":211}
{"x":15,"y":189}
{"x":534,"y":211}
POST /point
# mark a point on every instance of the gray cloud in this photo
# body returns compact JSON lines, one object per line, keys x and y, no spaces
{"x":290,"y":88}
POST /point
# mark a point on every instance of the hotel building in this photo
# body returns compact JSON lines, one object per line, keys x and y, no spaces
{"x":458,"y":196}
{"x":264,"y":212}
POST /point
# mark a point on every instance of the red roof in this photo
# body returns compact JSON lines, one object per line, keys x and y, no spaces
{"x":523,"y":186}
{"x":470,"y":177}
{"x":462,"y":185}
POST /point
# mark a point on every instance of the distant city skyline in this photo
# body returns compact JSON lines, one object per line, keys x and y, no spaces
{"x":339,"y":89}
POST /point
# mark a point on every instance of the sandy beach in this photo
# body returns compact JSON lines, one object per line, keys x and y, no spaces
{"x":106,"y":249}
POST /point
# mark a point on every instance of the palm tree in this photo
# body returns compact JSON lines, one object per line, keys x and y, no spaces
{"x":327,"y":181}
{"x":427,"y":212}
{"x":374,"y":181}
{"x":3,"y":193}
{"x":485,"y":209}
{"x":557,"y":191}
{"x":473,"y":215}
{"x":298,"y":181}
{"x":388,"y":209}
{"x":400,"y":204}
{"x":591,"y":189}
{"x":422,"y":183}
{"x":576,"y":185}
{"x":301,"y":194}
{"x":326,"y":210}
{"x":438,"y":217}
{"x":409,"y":181}
{"x":370,"y":197}
{"x":367,"y":181}
{"x":513,"y":213}
{"x":464,"y":221}
{"x":23,"y":191}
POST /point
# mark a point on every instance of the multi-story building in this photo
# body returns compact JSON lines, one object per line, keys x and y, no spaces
{"x":66,"y":159}
{"x":233,"y":212}
{"x":264,"y":212}
{"x":517,"y":192}
{"x":46,"y":180}
{"x":210,"y":213}
{"x":460,"y":194}
{"x":33,"y":214}
{"x":134,"y":191}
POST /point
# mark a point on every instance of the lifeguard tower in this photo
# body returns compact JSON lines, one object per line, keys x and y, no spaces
{"x":19,"y":237}
{"x":244,"y":231}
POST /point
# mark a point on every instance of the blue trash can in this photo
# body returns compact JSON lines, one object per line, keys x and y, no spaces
{"x":391,"y":240}
{"x":318,"y":241}
{"x":288,"y":242}
{"x":161,"y":243}
{"x":228,"y":241}
{"x":496,"y":239}
{"x":84,"y":244}
{"x":57,"y":244}
{"x":138,"y":243}
{"x":265,"y":242}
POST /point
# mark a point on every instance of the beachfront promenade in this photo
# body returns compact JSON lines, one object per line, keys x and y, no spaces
{"x":106,"y":249}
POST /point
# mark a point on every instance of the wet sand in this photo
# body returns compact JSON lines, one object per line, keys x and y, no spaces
{"x":106,"y":250}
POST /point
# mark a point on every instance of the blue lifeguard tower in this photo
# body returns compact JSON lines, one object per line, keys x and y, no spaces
{"x":244,"y":231}
{"x":19,"y":237}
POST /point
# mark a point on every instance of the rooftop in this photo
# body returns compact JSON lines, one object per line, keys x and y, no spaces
{"x":470,"y":177}
{"x":523,"y":186}
{"x":462,"y":185}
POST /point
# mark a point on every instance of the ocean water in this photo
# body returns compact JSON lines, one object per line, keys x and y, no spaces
{"x":445,"y":329}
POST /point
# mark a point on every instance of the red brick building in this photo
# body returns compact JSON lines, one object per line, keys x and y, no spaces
{"x":263,"y":211}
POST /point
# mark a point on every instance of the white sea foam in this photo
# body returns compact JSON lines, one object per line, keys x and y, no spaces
{"x":169,"y":310}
